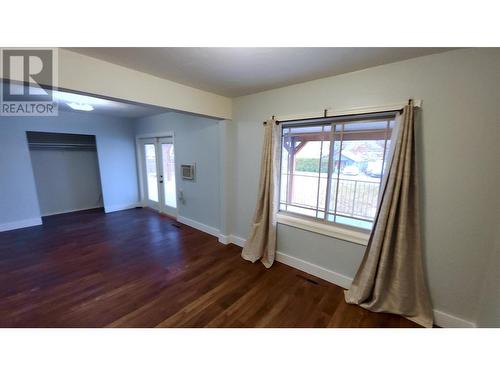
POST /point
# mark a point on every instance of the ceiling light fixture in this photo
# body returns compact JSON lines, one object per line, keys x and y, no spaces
{"x":81,"y":107}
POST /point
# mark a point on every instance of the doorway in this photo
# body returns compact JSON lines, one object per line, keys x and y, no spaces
{"x":157,"y":164}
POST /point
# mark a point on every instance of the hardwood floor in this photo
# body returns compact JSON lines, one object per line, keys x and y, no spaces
{"x":136,"y":268}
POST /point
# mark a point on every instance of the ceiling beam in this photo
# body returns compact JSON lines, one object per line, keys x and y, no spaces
{"x":84,"y":74}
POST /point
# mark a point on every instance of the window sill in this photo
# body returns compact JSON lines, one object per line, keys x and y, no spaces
{"x":329,"y":230}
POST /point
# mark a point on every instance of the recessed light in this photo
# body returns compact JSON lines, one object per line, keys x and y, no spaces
{"x":81,"y":107}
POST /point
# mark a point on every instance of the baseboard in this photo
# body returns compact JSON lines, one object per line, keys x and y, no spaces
{"x":445,"y":320}
{"x":224,"y":239}
{"x":441,"y":319}
{"x":121,"y":207}
{"x":20,"y":224}
{"x":200,"y":226}
{"x":68,"y":211}
{"x":236,"y":240}
{"x":315,"y":270}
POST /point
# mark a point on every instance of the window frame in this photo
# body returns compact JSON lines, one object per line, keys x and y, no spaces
{"x":323,"y":225}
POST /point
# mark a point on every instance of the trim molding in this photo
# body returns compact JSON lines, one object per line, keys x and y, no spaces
{"x":225,"y":239}
{"x":121,"y":207}
{"x":74,"y":210}
{"x":315,"y":270}
{"x":20,"y":224}
{"x":155,"y":135}
{"x":239,"y":241}
{"x":445,"y":320}
{"x":200,"y":226}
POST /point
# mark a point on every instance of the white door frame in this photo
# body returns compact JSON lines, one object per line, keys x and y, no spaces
{"x":140,"y":170}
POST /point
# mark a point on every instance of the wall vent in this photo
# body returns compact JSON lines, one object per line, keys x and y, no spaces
{"x":187,"y":171}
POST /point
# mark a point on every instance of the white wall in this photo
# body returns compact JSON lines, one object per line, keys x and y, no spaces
{"x":66,"y":180}
{"x":196,"y":140}
{"x":458,"y":138}
{"x":116,"y":154}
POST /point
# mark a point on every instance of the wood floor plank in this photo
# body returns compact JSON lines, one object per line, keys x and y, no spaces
{"x":134,"y":268}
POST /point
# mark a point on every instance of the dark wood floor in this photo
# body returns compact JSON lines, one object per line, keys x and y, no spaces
{"x":135,"y":268}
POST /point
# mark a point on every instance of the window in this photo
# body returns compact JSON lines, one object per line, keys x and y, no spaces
{"x":332,"y":171}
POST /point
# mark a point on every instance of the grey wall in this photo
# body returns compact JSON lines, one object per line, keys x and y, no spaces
{"x":116,"y":154}
{"x":458,"y":138}
{"x":196,"y":140}
{"x":66,"y":180}
{"x":489,"y":307}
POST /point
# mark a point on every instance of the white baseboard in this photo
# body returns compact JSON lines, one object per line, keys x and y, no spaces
{"x":224,"y":239}
{"x":68,"y":211}
{"x":445,"y":320}
{"x":200,"y":226}
{"x":121,"y":207}
{"x":20,"y":224}
{"x":315,"y":270}
{"x":236,"y":240}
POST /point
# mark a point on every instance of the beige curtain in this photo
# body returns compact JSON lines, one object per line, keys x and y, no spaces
{"x":261,"y":243}
{"x":391,"y":277}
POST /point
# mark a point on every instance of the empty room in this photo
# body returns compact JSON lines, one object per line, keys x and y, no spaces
{"x":273,"y":193}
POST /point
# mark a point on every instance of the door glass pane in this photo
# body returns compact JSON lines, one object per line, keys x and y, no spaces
{"x":167,"y":150}
{"x":152,"y":181}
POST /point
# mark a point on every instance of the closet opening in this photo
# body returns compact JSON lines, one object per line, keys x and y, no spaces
{"x":66,"y":172}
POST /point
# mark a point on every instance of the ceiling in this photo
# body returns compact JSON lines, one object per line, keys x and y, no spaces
{"x":100,"y":105}
{"x":106,"y":106}
{"x":235,"y":72}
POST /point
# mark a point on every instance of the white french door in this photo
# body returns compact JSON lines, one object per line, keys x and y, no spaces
{"x":157,"y":160}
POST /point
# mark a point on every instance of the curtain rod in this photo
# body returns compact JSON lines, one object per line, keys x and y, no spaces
{"x":365,"y":116}
{"x":417,"y":103}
